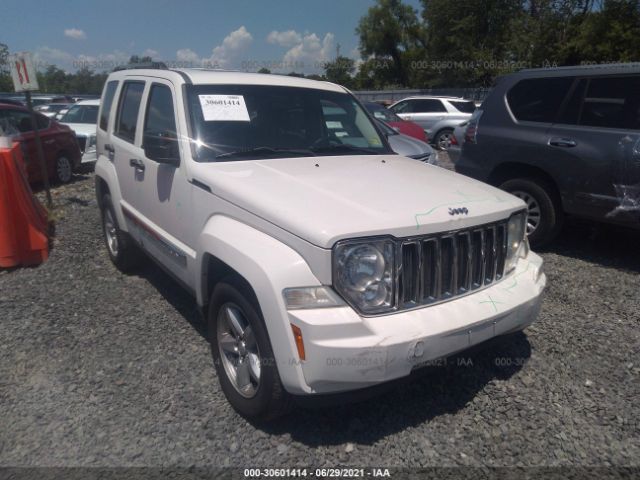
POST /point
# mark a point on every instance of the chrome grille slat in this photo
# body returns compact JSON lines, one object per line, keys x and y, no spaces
{"x":438,"y":267}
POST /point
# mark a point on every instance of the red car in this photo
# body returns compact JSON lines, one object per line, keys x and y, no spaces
{"x":394,"y":121}
{"x":61,"y":150}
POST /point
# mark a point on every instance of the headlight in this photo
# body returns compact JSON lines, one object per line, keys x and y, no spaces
{"x":363,"y":274}
{"x":516,"y":239}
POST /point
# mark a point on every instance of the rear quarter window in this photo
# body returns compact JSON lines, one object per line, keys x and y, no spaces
{"x":107,"y":101}
{"x":464,"y":107}
{"x":538,"y":99}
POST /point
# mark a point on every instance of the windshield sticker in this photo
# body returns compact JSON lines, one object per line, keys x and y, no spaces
{"x":224,"y":108}
{"x":341,"y":134}
{"x":333,"y":125}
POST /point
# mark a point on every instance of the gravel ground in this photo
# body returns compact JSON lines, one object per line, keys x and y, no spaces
{"x":98,"y":368}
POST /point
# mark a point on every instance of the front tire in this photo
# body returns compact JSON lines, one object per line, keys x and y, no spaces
{"x":63,"y":171}
{"x":545,"y":216}
{"x":242,"y":353}
{"x":123,"y":252}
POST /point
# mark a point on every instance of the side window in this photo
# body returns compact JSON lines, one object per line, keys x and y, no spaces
{"x":612,"y":102}
{"x":538,"y":99}
{"x":160,"y":118}
{"x":20,"y":121}
{"x":107,"y":100}
{"x":402,"y":107}
{"x":571,"y":113}
{"x":429,"y":106}
{"x":128,"y":109}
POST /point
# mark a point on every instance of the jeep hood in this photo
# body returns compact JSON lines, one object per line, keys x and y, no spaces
{"x":326,"y":199}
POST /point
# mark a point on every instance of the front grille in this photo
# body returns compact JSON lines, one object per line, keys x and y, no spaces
{"x":436,"y":268}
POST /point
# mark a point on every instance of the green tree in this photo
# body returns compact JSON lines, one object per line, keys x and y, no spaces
{"x":609,"y":34}
{"x":340,"y":71}
{"x":6,"y":84}
{"x":264,"y":70}
{"x":388,"y":31}
{"x":137,"y":59}
{"x":467,"y":40}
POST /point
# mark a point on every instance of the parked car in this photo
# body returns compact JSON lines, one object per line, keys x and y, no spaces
{"x":51,"y":109}
{"x":323,"y":261}
{"x":438,"y":116}
{"x":408,"y":146}
{"x":82,"y":118}
{"x":394,"y":121}
{"x":61,"y":151}
{"x":565,"y":140}
{"x":457,"y":140}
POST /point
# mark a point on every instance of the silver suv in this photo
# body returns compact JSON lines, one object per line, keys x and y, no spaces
{"x":438,"y":116}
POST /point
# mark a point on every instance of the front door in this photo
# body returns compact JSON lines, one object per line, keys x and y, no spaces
{"x":598,"y":136}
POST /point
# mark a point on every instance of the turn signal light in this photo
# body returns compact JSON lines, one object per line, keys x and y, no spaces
{"x":297,"y":335}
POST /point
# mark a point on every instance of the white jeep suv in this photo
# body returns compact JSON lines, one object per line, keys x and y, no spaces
{"x":323,"y":261}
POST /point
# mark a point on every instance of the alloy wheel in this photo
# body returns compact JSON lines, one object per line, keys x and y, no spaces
{"x":110,"y":232}
{"x":444,"y":140}
{"x":533,"y":210}
{"x":239,"y":351}
{"x":63,"y":169}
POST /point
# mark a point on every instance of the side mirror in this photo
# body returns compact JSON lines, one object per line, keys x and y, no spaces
{"x":161,"y":147}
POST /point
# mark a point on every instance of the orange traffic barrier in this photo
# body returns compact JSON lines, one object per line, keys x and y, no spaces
{"x":23,"y":221}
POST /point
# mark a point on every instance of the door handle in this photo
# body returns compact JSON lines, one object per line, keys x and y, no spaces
{"x":562,"y":142}
{"x":111,"y":152}
{"x":137,"y":164}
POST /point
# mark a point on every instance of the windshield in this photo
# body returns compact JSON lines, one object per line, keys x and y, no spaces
{"x":237,"y":122}
{"x":383,"y":114}
{"x":81,"y":114}
{"x":386,"y":129}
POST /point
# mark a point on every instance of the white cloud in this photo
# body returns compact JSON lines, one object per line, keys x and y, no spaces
{"x":75,"y":33}
{"x":233,"y":44}
{"x":222,"y":56}
{"x":311,"y":53}
{"x":284,"y":39}
{"x":45,"y":56}
{"x":150,"y":52}
{"x":188,"y":57}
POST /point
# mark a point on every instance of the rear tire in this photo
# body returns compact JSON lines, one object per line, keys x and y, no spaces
{"x":442,"y":139}
{"x":243,"y":357}
{"x":123,"y":252}
{"x":545,"y":215}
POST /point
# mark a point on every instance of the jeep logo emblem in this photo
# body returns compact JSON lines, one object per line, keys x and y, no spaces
{"x":458,"y":211}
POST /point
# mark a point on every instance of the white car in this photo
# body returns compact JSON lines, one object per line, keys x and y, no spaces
{"x":438,"y":116}
{"x":323,"y":262}
{"x":82,"y":118}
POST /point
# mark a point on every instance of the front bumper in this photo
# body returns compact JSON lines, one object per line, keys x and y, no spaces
{"x":89,"y":156}
{"x":345,"y":351}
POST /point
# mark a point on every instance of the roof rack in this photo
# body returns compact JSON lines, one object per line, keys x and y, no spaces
{"x":142,"y":65}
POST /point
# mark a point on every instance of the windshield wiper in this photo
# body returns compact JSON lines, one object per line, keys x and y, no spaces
{"x":266,"y":150}
{"x":346,"y":148}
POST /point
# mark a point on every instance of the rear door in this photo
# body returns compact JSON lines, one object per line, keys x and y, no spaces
{"x":427,"y":112}
{"x":598,"y":135}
